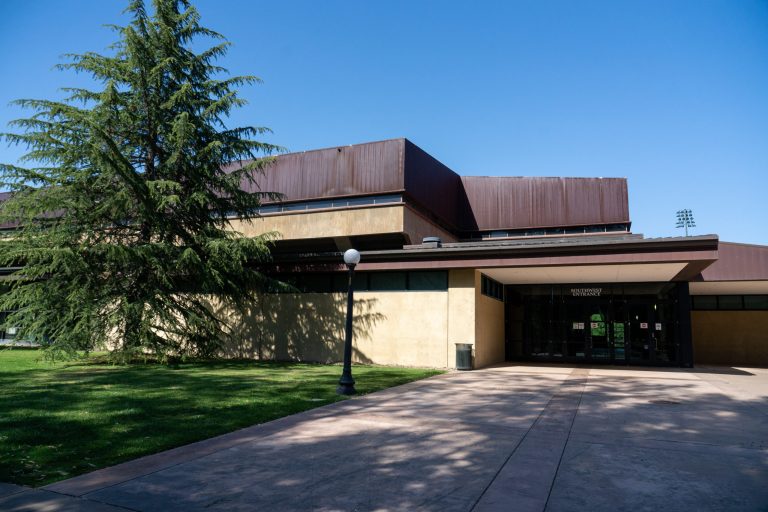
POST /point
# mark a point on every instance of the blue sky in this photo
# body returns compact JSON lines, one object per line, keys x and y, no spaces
{"x":672,"y":95}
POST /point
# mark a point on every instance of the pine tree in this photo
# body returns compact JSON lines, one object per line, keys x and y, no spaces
{"x":123,"y":200}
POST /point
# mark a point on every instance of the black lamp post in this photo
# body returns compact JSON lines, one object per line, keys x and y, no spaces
{"x":346,"y":382}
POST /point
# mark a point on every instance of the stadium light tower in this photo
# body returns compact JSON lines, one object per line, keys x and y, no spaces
{"x":685,"y":220}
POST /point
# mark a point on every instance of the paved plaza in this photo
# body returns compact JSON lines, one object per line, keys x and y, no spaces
{"x":509,"y":438}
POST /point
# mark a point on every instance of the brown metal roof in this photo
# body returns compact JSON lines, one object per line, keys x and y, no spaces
{"x":738,"y":262}
{"x":372,"y":168}
{"x":523,"y":202}
{"x":436,"y":189}
{"x":460,"y":204}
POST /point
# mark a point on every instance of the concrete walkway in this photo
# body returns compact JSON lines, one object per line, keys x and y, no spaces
{"x":509,"y":438}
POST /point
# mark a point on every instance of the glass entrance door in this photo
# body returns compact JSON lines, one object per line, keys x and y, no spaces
{"x":663,"y":333}
{"x":576,"y":330}
{"x":588,"y":329}
{"x":622,"y":324}
{"x":640,"y":324}
{"x":619,"y":331}
{"x":598,"y":333}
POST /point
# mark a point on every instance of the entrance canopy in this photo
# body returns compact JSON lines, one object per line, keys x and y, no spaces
{"x":593,"y":259}
{"x":630,"y":273}
{"x":579,"y":259}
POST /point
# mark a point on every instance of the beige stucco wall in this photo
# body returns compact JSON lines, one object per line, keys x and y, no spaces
{"x":299,"y":327}
{"x":398,"y":328}
{"x":730,"y":337}
{"x":417,"y":227}
{"x":408,"y":328}
{"x":489,"y":328}
{"x":461,"y":312}
{"x":364,"y":220}
{"x":369,"y":220}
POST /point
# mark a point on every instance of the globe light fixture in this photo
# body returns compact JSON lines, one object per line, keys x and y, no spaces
{"x":351,"y":257}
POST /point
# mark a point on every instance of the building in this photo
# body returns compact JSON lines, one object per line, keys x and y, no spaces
{"x":524,"y":269}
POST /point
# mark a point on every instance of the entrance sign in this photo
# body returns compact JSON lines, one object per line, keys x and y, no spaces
{"x":586,"y":292}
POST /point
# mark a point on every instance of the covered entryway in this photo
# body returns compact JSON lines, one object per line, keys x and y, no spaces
{"x":634,"y":290}
{"x":623,"y":323}
{"x":625,"y":314}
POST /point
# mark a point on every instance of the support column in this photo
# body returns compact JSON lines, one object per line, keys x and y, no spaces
{"x":684,"y":325}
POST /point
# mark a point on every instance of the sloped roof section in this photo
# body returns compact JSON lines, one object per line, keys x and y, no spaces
{"x":361,"y":169}
{"x":738,"y":262}
{"x":530,"y":202}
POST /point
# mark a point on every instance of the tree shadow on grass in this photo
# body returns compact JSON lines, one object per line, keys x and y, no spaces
{"x":57,"y":423}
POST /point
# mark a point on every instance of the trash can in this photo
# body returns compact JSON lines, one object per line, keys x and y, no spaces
{"x":463,"y":356}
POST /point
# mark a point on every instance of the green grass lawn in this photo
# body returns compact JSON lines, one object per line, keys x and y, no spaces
{"x":60,"y":420}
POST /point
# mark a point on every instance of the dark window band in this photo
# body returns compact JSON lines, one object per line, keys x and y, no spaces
{"x":729,"y":302}
{"x":552,"y":231}
{"x":342,"y":202}
{"x":327,"y":282}
{"x":491,"y":288}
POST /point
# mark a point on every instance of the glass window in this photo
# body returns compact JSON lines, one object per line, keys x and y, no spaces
{"x":704,"y":302}
{"x":315,"y":283}
{"x":360,"y":281}
{"x":285,"y":283}
{"x":729,"y":302}
{"x":321,"y":204}
{"x":358,"y":201}
{"x":387,"y":199}
{"x":430,"y":280}
{"x":329,"y":203}
{"x":387,"y":281}
{"x":756,"y":302}
{"x":491,"y":288}
{"x":339,"y":282}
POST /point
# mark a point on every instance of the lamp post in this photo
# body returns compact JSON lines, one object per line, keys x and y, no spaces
{"x":346,"y":382}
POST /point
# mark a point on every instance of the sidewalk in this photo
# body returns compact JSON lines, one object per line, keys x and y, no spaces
{"x":505,"y":438}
